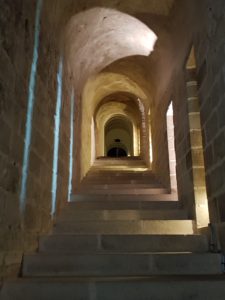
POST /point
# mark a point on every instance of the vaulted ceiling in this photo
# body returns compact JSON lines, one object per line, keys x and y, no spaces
{"x":159,"y":7}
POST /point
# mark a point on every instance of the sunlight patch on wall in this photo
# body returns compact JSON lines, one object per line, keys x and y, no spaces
{"x":71,"y":146}
{"x":30,"y":107}
{"x":56,"y":136}
{"x":150,"y":138}
{"x":171,"y":148}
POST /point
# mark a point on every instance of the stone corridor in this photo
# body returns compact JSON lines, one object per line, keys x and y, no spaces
{"x":112,"y":149}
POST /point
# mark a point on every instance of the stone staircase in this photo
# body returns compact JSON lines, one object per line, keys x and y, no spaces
{"x":122,"y":237}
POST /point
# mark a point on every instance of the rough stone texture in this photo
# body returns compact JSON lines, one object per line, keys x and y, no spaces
{"x":156,"y":79}
{"x":16,"y":31}
{"x":210,"y":53}
{"x":19,"y":233}
{"x":160,"y":147}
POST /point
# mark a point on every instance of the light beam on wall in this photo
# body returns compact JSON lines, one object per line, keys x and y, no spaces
{"x":71,"y":146}
{"x":30,"y":106}
{"x":56,"y":136}
{"x":171,"y":147}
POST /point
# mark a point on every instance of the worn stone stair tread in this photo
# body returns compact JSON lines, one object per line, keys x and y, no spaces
{"x":147,"y":279}
{"x":120,"y":173}
{"x":104,"y":203}
{"x":108,"y":180}
{"x":131,"y":176}
{"x":122,"y":288}
{"x":127,"y":227}
{"x":123,"y":236}
{"x":120,"y":186}
{"x":127,"y":181}
{"x":124,"y":264}
{"x":110,"y":205}
{"x":129,"y":159}
{"x":70,"y":243}
{"x":125,"y":197}
{"x":125,"y":214}
{"x":131,"y":197}
{"x":113,"y":252}
{"x":120,"y":178}
{"x":101,"y":173}
{"x":138,"y":191}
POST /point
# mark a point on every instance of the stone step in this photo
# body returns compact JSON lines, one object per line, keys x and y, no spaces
{"x":124,"y":214}
{"x":122,"y":186}
{"x":125,"y":167}
{"x":126,"y":227}
{"x":118,"y":174}
{"x":108,"y":179}
{"x":117,"y":162}
{"x":118,"y":181}
{"x":129,"y":243}
{"x":120,"y":191}
{"x":139,"y":288}
{"x":109,"y":203}
{"x":125,"y":158}
{"x":120,"y":264}
{"x":130,"y":159}
{"x":89,"y":196}
{"x":120,"y":170}
{"x":113,"y":163}
{"x":114,"y":177}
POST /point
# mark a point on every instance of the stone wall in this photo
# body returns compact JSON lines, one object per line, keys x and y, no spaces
{"x":16,"y":31}
{"x":171,"y":86}
{"x":160,"y":163}
{"x":183,"y":145}
{"x":206,"y":33}
{"x":19,"y":232}
{"x":210,"y":54}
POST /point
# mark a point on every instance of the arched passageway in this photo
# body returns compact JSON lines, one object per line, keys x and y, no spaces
{"x":123,"y":108}
{"x":84,"y":80}
{"x":119,"y":135}
{"x":117,"y":151}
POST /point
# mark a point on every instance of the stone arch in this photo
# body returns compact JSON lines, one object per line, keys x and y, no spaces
{"x":118,"y":133}
{"x":97,"y":89}
{"x":91,"y":45}
{"x":100,"y":36}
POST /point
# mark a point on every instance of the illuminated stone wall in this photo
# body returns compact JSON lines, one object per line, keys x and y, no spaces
{"x":16,"y":31}
{"x":160,"y":163}
{"x":210,"y":53}
{"x":20,"y":229}
{"x":156,"y":79}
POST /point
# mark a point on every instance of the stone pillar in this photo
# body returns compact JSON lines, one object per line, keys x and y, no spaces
{"x":171,"y":149}
{"x":198,"y":167}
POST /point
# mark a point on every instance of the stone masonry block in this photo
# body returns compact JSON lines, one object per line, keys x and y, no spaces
{"x":219,"y":147}
{"x":4,"y":137}
{"x":197,"y":157}
{"x":211,"y":128}
{"x":192,"y":89}
{"x":199,"y":177}
{"x":194,"y":119}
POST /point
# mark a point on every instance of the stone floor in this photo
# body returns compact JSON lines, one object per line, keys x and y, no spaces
{"x":123,"y":236}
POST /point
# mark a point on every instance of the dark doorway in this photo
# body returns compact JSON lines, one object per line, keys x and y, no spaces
{"x":116,"y":152}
